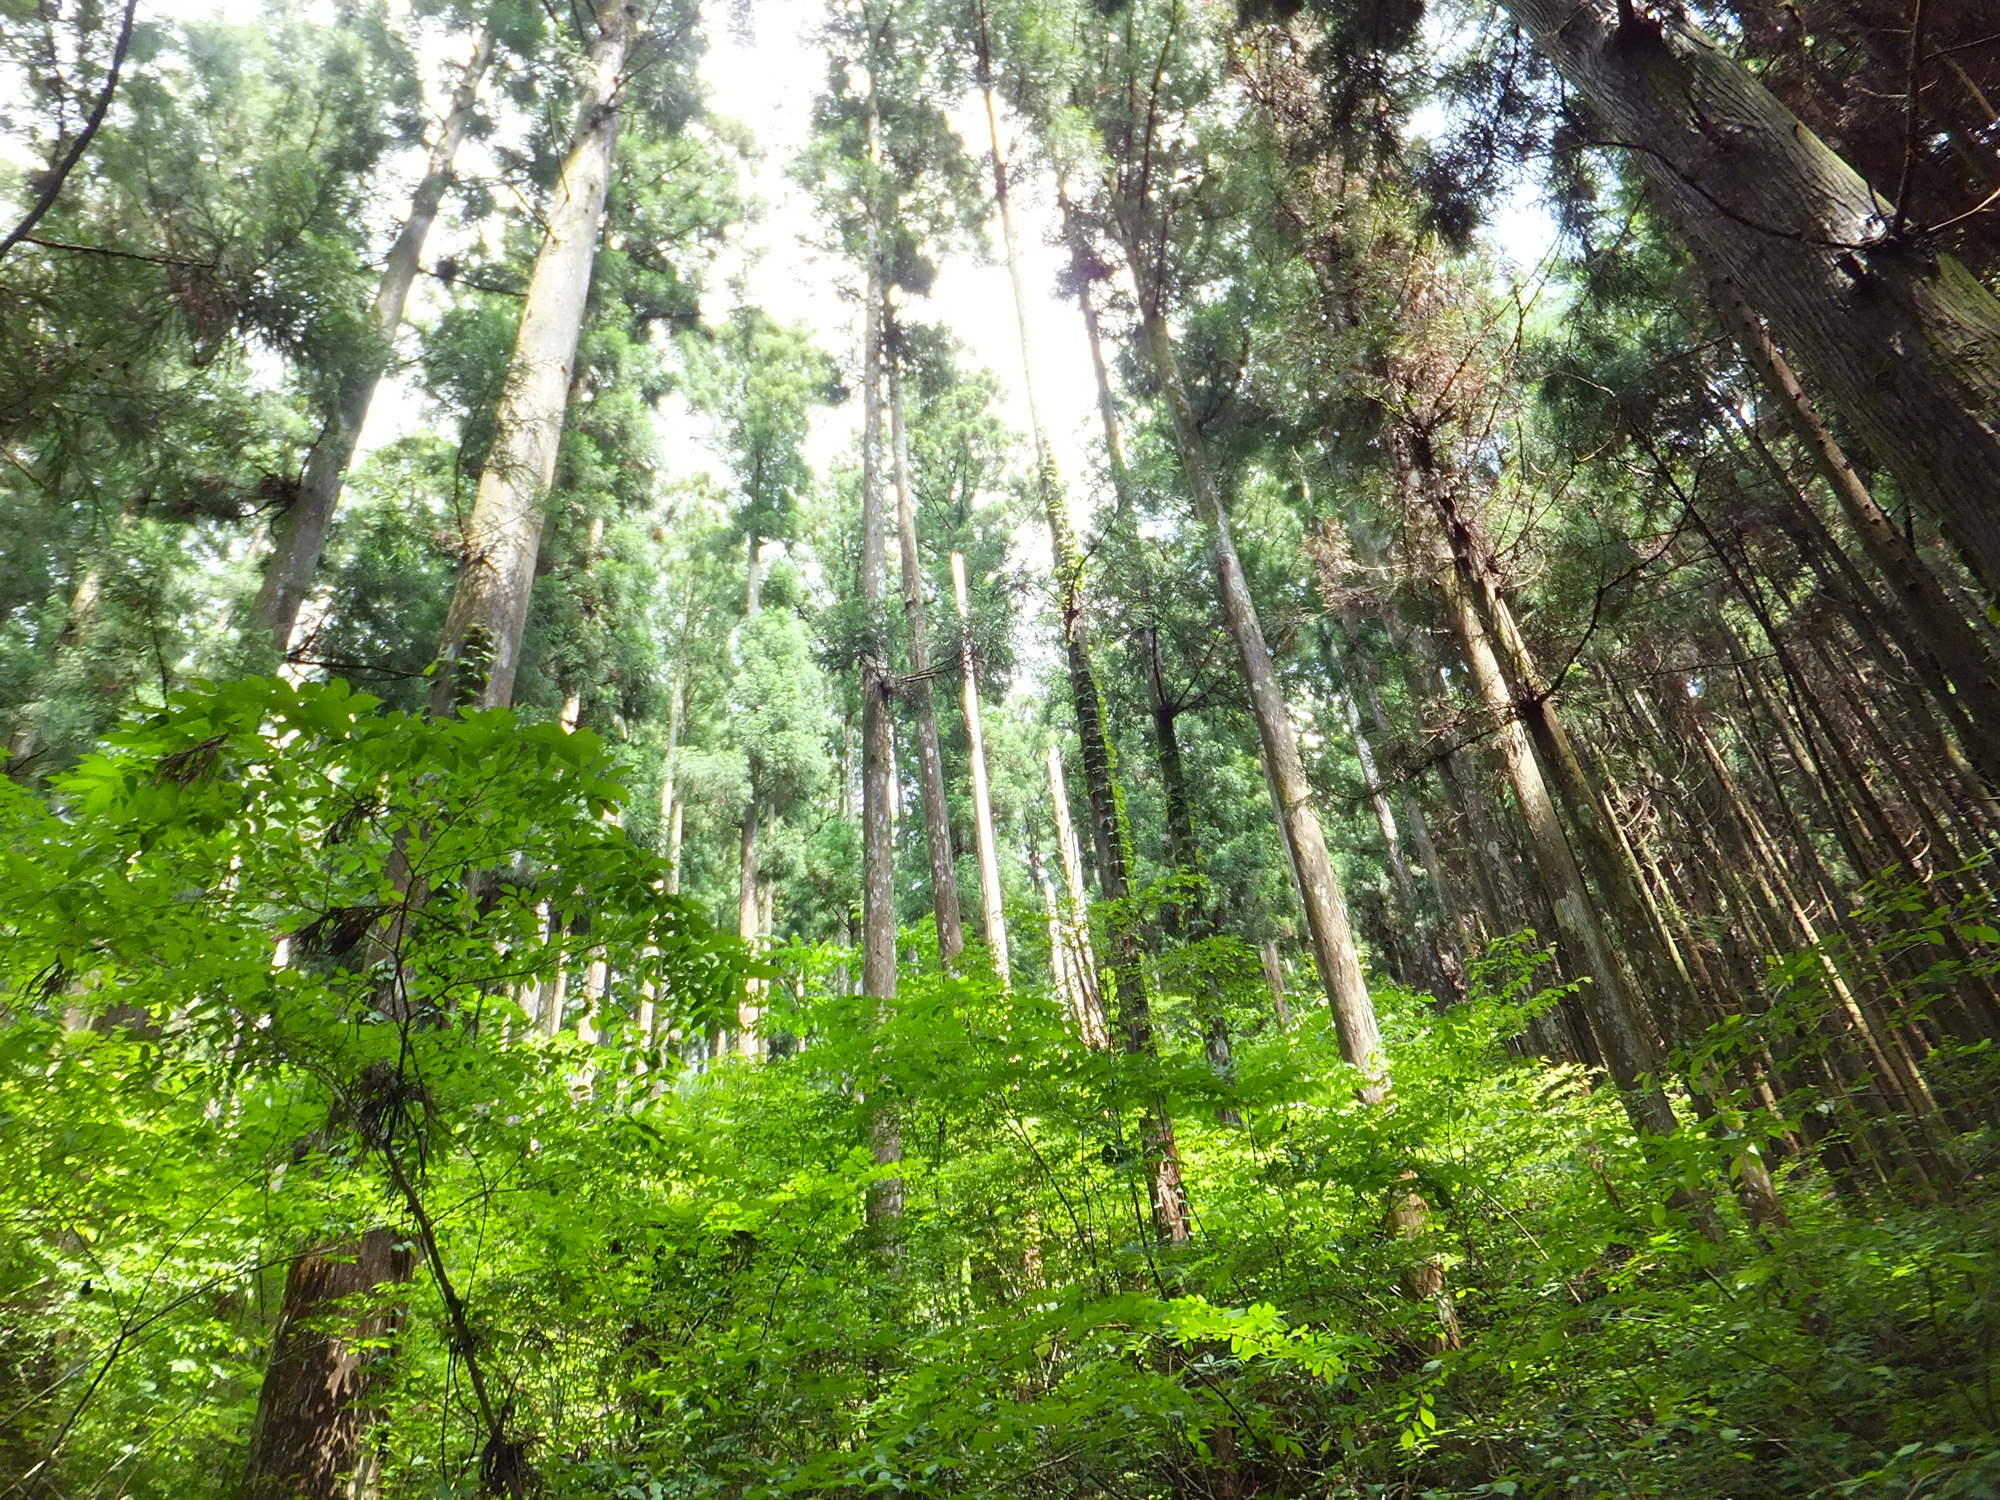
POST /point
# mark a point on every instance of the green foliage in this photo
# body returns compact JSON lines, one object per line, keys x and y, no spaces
{"x":264,"y":973}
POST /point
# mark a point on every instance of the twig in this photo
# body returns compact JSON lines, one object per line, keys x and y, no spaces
{"x":1916,"y":65}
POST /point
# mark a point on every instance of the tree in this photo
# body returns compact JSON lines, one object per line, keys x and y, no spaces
{"x":1894,"y":330}
{"x":480,"y":651}
{"x":294,"y":562}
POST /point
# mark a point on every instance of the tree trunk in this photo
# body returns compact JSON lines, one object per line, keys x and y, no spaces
{"x":1431,"y":953}
{"x":982,"y":801}
{"x":1076,"y":931}
{"x":917,"y":692}
{"x":878,"y":750}
{"x":1312,"y":869}
{"x":1900,"y":336}
{"x":1274,"y":976}
{"x":1109,"y":835}
{"x":1614,"y":1011}
{"x":481,"y":649}
{"x":295,"y":555}
{"x":1457,"y":938}
{"x":749,"y":920}
{"x":341,"y":1305}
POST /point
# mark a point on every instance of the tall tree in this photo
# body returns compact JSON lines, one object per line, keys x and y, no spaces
{"x":481,"y":647}
{"x":290,"y":571}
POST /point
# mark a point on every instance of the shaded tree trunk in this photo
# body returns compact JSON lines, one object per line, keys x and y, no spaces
{"x":342,"y":1306}
{"x":1899,"y":335}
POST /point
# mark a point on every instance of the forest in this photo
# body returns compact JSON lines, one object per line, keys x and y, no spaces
{"x":1369,"y":872}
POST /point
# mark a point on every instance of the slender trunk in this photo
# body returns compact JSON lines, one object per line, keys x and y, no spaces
{"x":1927,"y":607}
{"x":674,"y":849}
{"x":923,"y":703}
{"x":1076,"y":931}
{"x":1312,"y":868}
{"x":1451,"y":955}
{"x":481,"y":647}
{"x":1598,"y":845}
{"x":1614,"y":1011}
{"x":342,"y":1304}
{"x":1063,"y":975}
{"x":669,"y":798}
{"x":1274,"y":976}
{"x":1183,"y":853}
{"x":878,"y":751}
{"x":301,"y":538}
{"x":1110,"y":837}
{"x":1901,"y":337}
{"x":1424,"y":937}
{"x":982,"y":802}
{"x":749,"y":924}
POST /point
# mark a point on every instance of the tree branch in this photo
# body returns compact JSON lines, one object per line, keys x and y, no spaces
{"x":60,"y":174}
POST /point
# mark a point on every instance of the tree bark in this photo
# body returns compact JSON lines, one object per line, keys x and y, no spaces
{"x":917,"y":692}
{"x":982,"y":801}
{"x":1614,"y":1011}
{"x":342,"y":1305}
{"x":1312,"y":868}
{"x":301,"y":538}
{"x":749,"y":919}
{"x":1423,"y":935}
{"x":1081,"y":960}
{"x":878,"y":752}
{"x":1901,"y":337}
{"x":481,"y":648}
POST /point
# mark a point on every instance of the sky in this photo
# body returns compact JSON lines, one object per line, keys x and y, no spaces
{"x":767,"y":80}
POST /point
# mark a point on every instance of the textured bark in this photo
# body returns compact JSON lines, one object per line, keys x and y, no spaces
{"x":340,"y":1310}
{"x":1305,"y":842}
{"x":301,"y":538}
{"x":917,"y":693}
{"x":1899,"y":336}
{"x":982,"y":800}
{"x":481,"y":648}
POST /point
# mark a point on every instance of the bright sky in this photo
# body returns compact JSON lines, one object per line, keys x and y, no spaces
{"x":768,"y":81}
